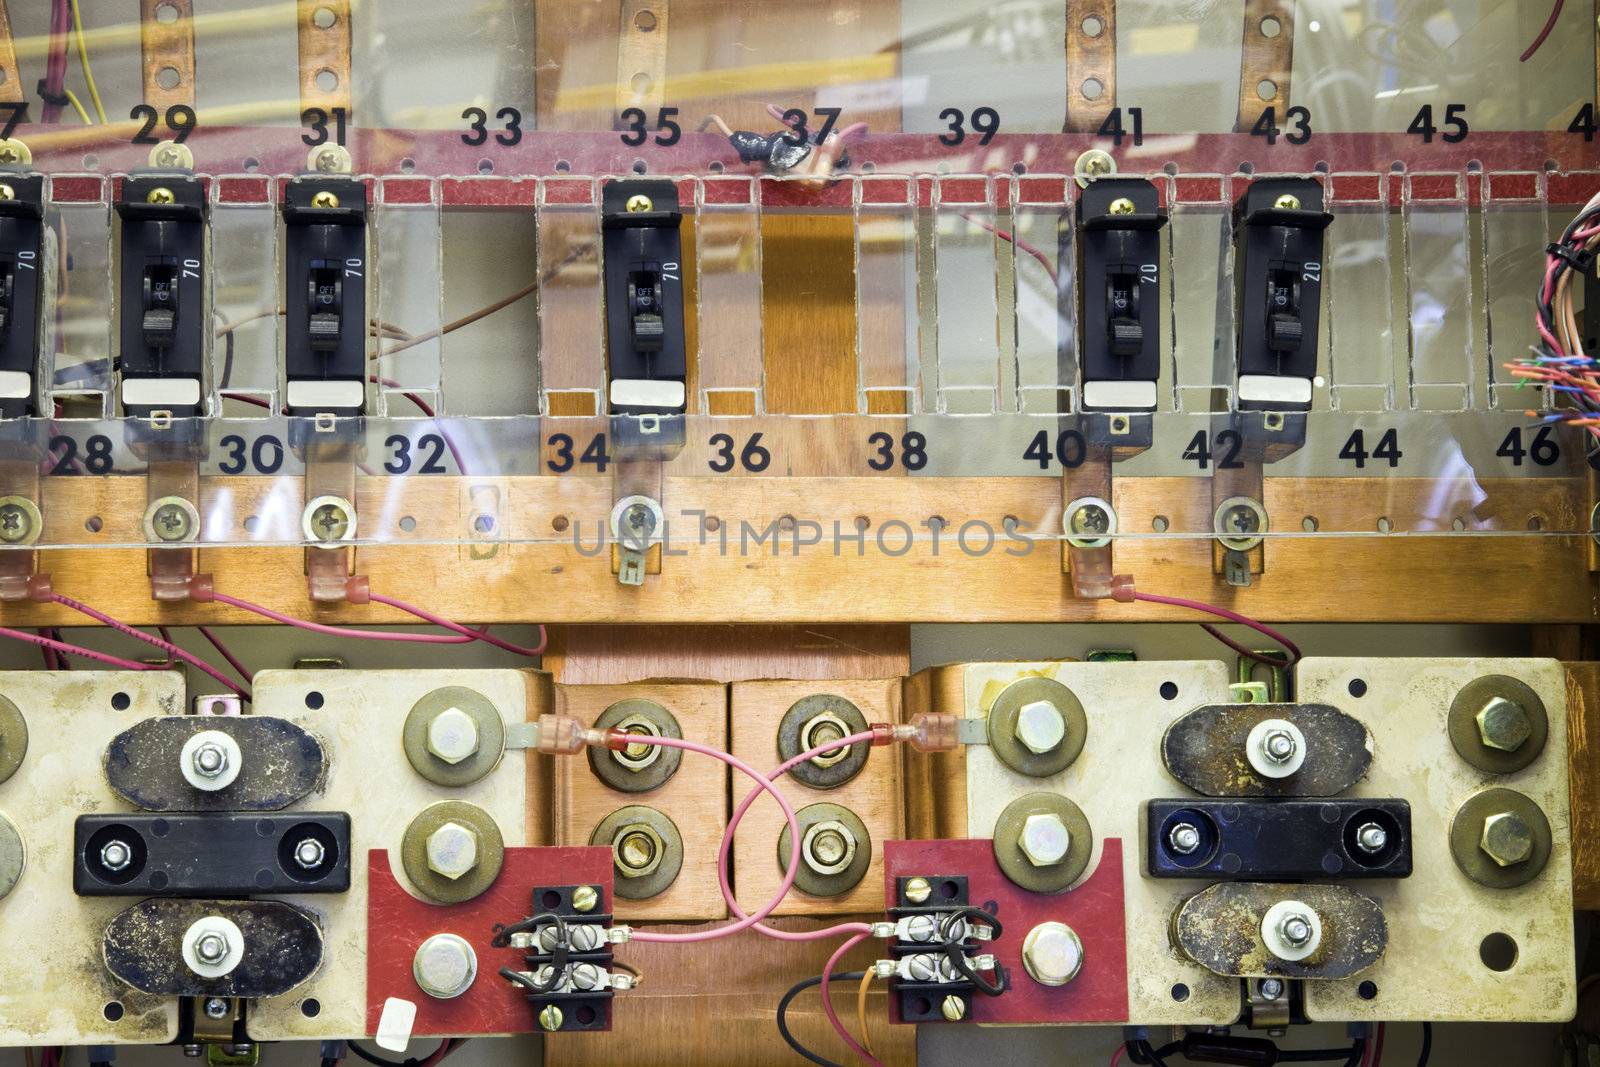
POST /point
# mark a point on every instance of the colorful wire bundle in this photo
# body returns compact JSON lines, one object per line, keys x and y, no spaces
{"x":1561,"y":366}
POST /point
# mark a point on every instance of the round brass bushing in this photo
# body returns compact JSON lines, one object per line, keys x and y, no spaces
{"x":646,"y":850}
{"x":1498,"y":724}
{"x":1015,"y":711}
{"x":485,"y":717}
{"x":1053,"y":813}
{"x":840,"y":850}
{"x":637,"y":768}
{"x":13,"y":738}
{"x":419,"y":864}
{"x":815,"y":720}
{"x":13,"y":856}
{"x":1500,"y":838}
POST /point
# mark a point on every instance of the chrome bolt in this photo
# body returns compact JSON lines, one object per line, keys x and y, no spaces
{"x":1503,"y":725}
{"x":452,"y":850}
{"x":210,"y":760}
{"x":1044,"y":839}
{"x":638,"y":203}
{"x":115,"y":855}
{"x":953,"y":1008}
{"x":1052,"y":954}
{"x":1184,"y":838}
{"x":550,"y":1017}
{"x":1287,"y":202}
{"x":444,"y":966}
{"x":324,"y":199}
{"x":171,"y":521}
{"x":309,"y":854}
{"x":917,"y":890}
{"x":1506,"y":839}
{"x":1295,"y":928}
{"x":1279,"y":746}
{"x":211,"y":947}
{"x":1270,"y":988}
{"x":160,"y":195}
{"x":828,"y":847}
{"x":453,"y":735}
{"x":922,"y":967}
{"x":584,"y":898}
{"x":1040,"y":726}
{"x":587,"y":976}
{"x":1371,"y":838}
{"x":1121,"y":206}
{"x":216,"y":1008}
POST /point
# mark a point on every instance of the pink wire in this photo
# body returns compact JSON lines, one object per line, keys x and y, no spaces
{"x":1223,"y":613}
{"x":827,"y":999}
{"x":336,"y":631}
{"x":166,"y":646}
{"x":216,"y":643}
{"x":1116,"y":1056}
{"x":733,"y":825}
{"x":77,"y":650}
{"x":745,"y":921}
{"x":476,"y":635}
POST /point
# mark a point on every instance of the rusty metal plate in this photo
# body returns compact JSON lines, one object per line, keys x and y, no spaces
{"x":1220,"y":929}
{"x":282,"y":947}
{"x":281,"y":764}
{"x":1205,"y":750}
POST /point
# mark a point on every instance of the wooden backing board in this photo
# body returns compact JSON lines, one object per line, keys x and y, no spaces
{"x":694,"y":798}
{"x":756,"y":709}
{"x":1393,"y":578}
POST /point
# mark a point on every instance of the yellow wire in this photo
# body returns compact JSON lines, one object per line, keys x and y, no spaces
{"x":77,"y":105}
{"x":861,"y":1012}
{"x":83,"y":60}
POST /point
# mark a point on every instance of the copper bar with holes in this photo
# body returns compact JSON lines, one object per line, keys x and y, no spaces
{"x":1091,"y":63}
{"x":10,"y":75}
{"x":1265,"y":61}
{"x":642,"y":56}
{"x":167,"y":52}
{"x":324,"y":54}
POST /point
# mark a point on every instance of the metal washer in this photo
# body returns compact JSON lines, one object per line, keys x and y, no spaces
{"x":792,"y":725}
{"x":1466,"y":832}
{"x":13,"y":856}
{"x":1463,"y":723}
{"x":809,"y":881}
{"x":621,"y":777}
{"x":491,"y":736}
{"x":1003,"y":722}
{"x":13,"y":738}
{"x":665,"y":872}
{"x":414,"y":852}
{"x":1008,"y":849}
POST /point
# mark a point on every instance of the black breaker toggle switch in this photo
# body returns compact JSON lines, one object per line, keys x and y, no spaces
{"x":21,"y":292}
{"x":325,"y":296}
{"x":1278,"y":226}
{"x":162,"y":293}
{"x":644,"y":297}
{"x":1120,"y":294}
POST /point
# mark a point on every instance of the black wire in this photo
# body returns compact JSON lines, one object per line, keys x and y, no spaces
{"x":783,"y":1008}
{"x":1320,"y":1055}
{"x":1427,"y":1045}
{"x":502,"y":933}
{"x":952,"y":951}
{"x":413,"y":1061}
{"x":1140,"y":1052}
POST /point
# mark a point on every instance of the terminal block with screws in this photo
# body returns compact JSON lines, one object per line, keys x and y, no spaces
{"x":569,"y":974}
{"x":935,"y":964}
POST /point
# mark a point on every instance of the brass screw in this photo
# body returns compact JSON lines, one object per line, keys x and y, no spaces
{"x":330,"y":521}
{"x":1090,"y":519}
{"x":1122,"y":206}
{"x":918,"y":890}
{"x":584,"y":898}
{"x":6,"y":192}
{"x":11,"y":152}
{"x":953,"y":1008}
{"x":639,"y":202}
{"x":171,"y":522}
{"x":15,"y":524}
{"x":172,"y":155}
{"x":550,"y":1017}
{"x":324,"y":199}
{"x":160,"y":195}
{"x":1287,"y":202}
{"x":1097,"y":164}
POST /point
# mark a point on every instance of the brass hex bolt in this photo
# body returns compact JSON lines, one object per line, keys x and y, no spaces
{"x":637,"y":850}
{"x":1504,"y":725}
{"x":1506,"y":839}
{"x":828,"y":847}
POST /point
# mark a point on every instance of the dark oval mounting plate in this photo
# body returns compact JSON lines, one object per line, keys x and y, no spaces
{"x":282,"y":947}
{"x":281,"y":764}
{"x":1220,"y":929}
{"x":1205,"y":750}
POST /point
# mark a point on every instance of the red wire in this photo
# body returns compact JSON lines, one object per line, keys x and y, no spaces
{"x":1377,"y":1047}
{"x":1221,"y":613}
{"x":216,"y":643}
{"x":476,"y":635}
{"x":1549,"y":25}
{"x":1016,"y":241}
{"x":1116,"y":1054}
{"x":166,"y":646}
{"x":78,"y":650}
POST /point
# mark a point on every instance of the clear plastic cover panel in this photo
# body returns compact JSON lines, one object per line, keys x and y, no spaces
{"x":881,"y":260}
